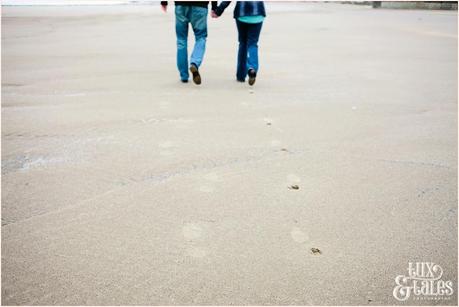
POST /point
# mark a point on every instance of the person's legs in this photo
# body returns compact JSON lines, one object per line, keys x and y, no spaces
{"x":198,"y":20}
{"x":253,"y":34}
{"x":241,"y":71}
{"x":181,"y":30}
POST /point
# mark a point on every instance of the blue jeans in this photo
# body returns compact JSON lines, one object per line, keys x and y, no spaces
{"x":247,"y":58}
{"x":197,"y":16}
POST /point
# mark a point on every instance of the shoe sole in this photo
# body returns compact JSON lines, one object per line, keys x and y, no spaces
{"x":196,"y":76}
{"x":252,"y":79}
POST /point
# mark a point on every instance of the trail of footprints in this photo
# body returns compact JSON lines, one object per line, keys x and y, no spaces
{"x":293,"y":183}
{"x":193,"y":232}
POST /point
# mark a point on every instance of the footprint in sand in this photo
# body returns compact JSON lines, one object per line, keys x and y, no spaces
{"x":149,"y":120}
{"x":192,"y":231}
{"x":206,"y":189}
{"x":293,"y":181}
{"x":298,"y":235}
{"x":163,"y":105}
{"x":209,"y":186}
{"x":316,"y":251}
{"x":166,"y":144}
{"x":167,"y":148}
{"x":292,"y":178}
{"x":393,"y":211}
{"x":212,"y":177}
{"x":196,"y":252}
{"x":268,"y":121}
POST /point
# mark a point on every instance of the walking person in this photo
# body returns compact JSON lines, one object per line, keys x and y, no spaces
{"x":194,"y":13}
{"x":249,"y":17}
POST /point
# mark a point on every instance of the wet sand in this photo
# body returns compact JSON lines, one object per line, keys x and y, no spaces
{"x":120,"y":185}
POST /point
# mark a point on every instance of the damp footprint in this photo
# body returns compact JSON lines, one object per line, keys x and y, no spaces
{"x":298,"y":235}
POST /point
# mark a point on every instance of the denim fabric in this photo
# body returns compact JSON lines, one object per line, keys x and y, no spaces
{"x":247,"y":58}
{"x":197,"y":17}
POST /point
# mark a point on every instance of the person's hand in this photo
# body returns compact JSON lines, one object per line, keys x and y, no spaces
{"x":213,"y":14}
{"x":164,"y":8}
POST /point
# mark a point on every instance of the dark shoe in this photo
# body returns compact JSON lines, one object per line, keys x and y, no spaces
{"x":184,"y":81}
{"x":196,"y":76}
{"x":240,"y":80}
{"x":252,"y":76}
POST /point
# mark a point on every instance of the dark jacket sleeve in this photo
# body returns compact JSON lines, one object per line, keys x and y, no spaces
{"x":163,"y":2}
{"x":214,"y":5}
{"x":221,"y":8}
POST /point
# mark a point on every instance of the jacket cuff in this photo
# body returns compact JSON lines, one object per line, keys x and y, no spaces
{"x":218,"y":10}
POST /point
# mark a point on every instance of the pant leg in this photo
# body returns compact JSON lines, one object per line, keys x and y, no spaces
{"x":253,"y":34}
{"x":181,"y":30}
{"x":198,"y":19}
{"x":241,"y":71}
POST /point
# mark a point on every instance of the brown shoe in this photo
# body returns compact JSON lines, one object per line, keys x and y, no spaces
{"x":195,"y":71}
{"x":252,"y":76}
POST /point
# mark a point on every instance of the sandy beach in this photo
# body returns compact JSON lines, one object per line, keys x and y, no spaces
{"x":120,"y":185}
